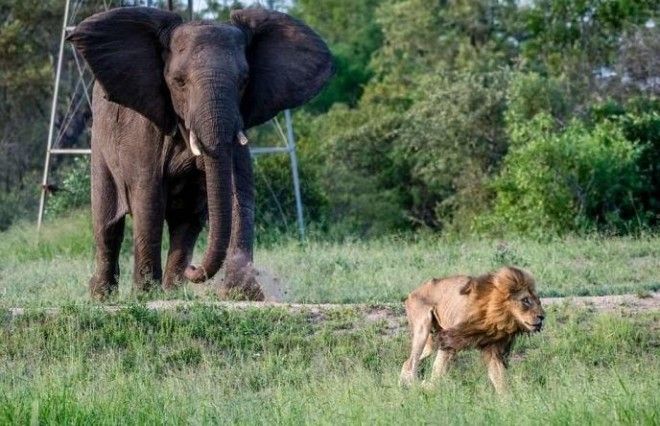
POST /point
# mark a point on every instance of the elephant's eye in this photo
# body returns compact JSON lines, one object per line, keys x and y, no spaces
{"x":180,"y":81}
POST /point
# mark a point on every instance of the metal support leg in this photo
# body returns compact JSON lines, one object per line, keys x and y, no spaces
{"x":291,"y":142}
{"x":51,"y":128}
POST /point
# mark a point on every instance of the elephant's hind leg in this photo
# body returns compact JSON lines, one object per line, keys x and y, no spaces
{"x":182,"y":242}
{"x":148,"y":211}
{"x":183,"y":236}
{"x":108,"y":224}
{"x":185,"y":216}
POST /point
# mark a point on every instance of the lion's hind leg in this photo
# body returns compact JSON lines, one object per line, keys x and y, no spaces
{"x":441,"y":364}
{"x":430,"y":347}
{"x":420,"y":320}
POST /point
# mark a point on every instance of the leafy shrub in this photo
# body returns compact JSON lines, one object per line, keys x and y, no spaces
{"x":74,"y":190}
{"x":529,"y":94}
{"x":363,"y":185}
{"x":578,"y":179}
{"x":640,"y":121}
{"x":452,"y":140}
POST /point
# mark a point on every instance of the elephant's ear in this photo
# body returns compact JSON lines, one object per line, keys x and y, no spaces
{"x":289,"y":63}
{"x":124,"y":49}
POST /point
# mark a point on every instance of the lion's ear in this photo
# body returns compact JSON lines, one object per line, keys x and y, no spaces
{"x":468,"y":287}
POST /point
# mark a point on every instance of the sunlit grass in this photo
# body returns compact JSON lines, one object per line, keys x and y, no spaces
{"x":53,"y":269}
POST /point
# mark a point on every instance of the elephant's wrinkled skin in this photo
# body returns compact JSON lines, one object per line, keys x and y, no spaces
{"x":171,"y":101}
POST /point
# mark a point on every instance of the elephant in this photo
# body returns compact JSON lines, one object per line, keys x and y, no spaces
{"x":170,"y":105}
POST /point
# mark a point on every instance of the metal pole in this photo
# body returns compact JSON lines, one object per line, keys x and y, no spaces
{"x":190,"y":9}
{"x":291,"y":146}
{"x":291,"y":142}
{"x":51,"y":128}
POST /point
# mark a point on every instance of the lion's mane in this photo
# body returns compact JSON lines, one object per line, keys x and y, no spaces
{"x":489,"y":319}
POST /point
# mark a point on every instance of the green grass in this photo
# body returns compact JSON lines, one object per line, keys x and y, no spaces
{"x":207,"y":364}
{"x":210,"y":365}
{"x":53,"y":270}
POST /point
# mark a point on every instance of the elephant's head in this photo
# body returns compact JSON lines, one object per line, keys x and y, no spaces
{"x":211,"y":80}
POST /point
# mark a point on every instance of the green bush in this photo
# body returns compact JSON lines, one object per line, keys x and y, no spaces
{"x":639,"y":119}
{"x":426,"y":166}
{"x":358,"y":171}
{"x":577,"y":179}
{"x":73,"y":191}
{"x":452,"y":141}
{"x":529,"y":94}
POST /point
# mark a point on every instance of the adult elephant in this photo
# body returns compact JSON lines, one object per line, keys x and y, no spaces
{"x":170,"y":104}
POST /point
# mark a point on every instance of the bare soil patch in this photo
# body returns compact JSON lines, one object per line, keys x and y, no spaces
{"x":391,"y":316}
{"x":630,"y":303}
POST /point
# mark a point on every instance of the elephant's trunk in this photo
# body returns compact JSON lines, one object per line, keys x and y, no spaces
{"x":219,"y":193}
{"x":214,"y":124}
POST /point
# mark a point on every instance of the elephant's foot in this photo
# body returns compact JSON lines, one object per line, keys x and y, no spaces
{"x":240,"y":282}
{"x":101,"y":289}
{"x":173,"y":281}
{"x":146,"y":278}
{"x":146,"y":285}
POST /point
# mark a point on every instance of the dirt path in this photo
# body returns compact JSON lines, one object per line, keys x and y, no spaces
{"x":392,"y":314}
{"x":625,"y":302}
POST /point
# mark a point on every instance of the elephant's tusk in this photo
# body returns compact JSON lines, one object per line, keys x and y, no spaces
{"x":194,"y":145}
{"x":242,"y":139}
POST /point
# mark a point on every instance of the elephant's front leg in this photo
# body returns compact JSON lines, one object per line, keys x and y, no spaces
{"x":148,"y":210}
{"x":240,"y":276}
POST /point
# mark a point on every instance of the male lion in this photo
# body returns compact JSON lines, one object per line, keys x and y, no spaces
{"x":485,"y":312}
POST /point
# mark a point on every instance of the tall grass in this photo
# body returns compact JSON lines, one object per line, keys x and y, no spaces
{"x":209,"y":365}
{"x":53,"y":269}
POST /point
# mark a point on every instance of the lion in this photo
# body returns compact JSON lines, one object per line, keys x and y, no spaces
{"x":462,"y":312}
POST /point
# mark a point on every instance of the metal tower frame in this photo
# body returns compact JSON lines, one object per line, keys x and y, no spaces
{"x":288,"y":137}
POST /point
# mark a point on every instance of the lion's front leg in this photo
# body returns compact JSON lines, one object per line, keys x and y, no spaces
{"x":495,"y":362}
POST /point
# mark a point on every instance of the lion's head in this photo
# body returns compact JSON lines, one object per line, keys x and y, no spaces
{"x":502,"y":304}
{"x":517,"y":296}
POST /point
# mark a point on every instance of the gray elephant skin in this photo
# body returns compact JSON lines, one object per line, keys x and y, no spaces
{"x":170,"y":103}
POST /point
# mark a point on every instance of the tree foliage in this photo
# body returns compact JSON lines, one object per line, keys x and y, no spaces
{"x":471,"y":116}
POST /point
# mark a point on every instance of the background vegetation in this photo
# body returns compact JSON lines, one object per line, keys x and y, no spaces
{"x":481,"y":117}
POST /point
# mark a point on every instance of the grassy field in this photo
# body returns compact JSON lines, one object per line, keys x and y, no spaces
{"x":55,"y":271}
{"x":266,"y":366}
{"x":206,"y":364}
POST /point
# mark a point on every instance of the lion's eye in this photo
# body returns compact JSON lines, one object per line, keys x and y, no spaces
{"x":526,"y":301}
